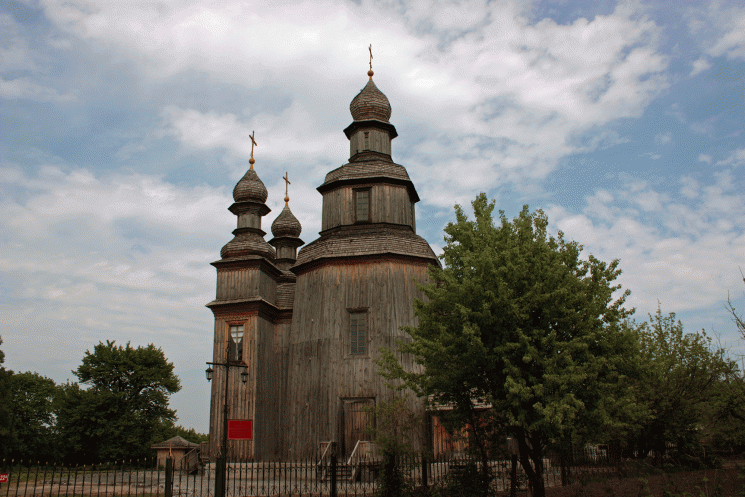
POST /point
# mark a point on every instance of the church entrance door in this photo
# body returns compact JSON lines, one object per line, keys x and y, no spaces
{"x":356,"y":418}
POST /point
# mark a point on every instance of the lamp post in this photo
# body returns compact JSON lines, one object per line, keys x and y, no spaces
{"x":222,"y":459}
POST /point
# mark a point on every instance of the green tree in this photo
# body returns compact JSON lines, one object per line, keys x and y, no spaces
{"x":736,"y":318}
{"x":125,"y":407}
{"x":5,"y":427}
{"x":32,"y":409}
{"x":686,"y":383}
{"x":398,"y":437}
{"x":517,"y":320}
{"x":191,"y":434}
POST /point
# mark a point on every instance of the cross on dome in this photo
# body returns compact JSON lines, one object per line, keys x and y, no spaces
{"x":287,"y":183}
{"x":253,"y":142}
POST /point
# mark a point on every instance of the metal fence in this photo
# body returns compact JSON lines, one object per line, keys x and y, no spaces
{"x":314,"y":477}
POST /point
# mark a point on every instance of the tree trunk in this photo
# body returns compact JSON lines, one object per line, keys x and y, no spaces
{"x":531,"y":459}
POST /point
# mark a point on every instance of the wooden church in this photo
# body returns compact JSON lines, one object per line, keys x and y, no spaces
{"x":309,"y":324}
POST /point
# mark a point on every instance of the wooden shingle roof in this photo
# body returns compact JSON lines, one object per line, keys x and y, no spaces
{"x":370,"y":103}
{"x":175,"y":443}
{"x":366,"y":240}
{"x":248,"y":241}
{"x":286,"y":224}
{"x":250,"y":189}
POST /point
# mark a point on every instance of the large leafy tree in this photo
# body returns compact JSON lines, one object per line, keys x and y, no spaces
{"x":517,"y":320}
{"x":32,"y":408}
{"x":687,"y":384}
{"x":125,"y":407}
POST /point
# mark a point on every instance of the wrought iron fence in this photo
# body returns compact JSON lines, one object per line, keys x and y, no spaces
{"x":314,"y":477}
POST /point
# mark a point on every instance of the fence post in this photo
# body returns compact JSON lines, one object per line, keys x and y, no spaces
{"x":564,"y":467}
{"x":169,"y":477}
{"x":425,"y":482}
{"x":513,"y":476}
{"x":333,"y":469}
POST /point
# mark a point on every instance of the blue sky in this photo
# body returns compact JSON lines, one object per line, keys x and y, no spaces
{"x":124,"y":127}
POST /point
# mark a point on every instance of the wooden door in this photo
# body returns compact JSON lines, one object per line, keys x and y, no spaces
{"x":356,"y":418}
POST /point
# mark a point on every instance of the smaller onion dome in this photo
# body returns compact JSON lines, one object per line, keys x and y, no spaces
{"x":370,"y":103}
{"x":250,"y":188}
{"x":286,"y":224}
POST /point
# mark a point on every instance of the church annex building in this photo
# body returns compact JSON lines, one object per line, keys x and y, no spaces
{"x":310,"y":323}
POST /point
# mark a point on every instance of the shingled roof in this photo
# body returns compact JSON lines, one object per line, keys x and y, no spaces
{"x":286,"y":224}
{"x":370,"y":103}
{"x":250,"y":188}
{"x":369,"y":167}
{"x":246,"y":242}
{"x":174,"y":443}
{"x":366,"y":240}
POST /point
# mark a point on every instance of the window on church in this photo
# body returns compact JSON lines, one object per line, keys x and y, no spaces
{"x":362,"y":205}
{"x":235,"y":352}
{"x":358,"y":333}
{"x":367,"y":140}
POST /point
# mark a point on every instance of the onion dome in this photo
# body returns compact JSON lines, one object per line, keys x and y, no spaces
{"x":250,"y":188}
{"x":370,"y":104}
{"x":286,"y":224}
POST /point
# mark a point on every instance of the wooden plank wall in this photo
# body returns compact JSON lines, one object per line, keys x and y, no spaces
{"x":237,"y":283}
{"x":379,"y":141}
{"x":240,"y":396}
{"x":321,"y":371}
{"x":388,"y":204}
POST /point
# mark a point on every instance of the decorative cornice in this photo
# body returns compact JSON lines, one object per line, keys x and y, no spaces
{"x":371,"y":123}
{"x":247,"y":262}
{"x":358,"y":260}
{"x":372,"y":180}
{"x":251,"y":305}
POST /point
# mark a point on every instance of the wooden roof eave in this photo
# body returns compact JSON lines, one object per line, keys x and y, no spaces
{"x":331,"y":185}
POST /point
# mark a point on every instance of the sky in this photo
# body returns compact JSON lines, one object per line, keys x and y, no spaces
{"x":124,"y":127}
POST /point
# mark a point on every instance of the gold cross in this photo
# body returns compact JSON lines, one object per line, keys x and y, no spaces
{"x":371,"y":57}
{"x":253,"y":142}
{"x":287,"y":183}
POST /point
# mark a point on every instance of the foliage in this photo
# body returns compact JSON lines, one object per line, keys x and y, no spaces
{"x":517,"y":320}
{"x":5,"y":428}
{"x":191,"y":434}
{"x":32,"y":408}
{"x":686,"y":381}
{"x":397,"y":433}
{"x":124,"y":410}
{"x":738,"y":319}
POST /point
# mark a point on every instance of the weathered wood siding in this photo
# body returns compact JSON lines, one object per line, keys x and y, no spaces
{"x":388,"y":204}
{"x":378,"y":140}
{"x":240,"y":396}
{"x":239,"y":283}
{"x":321,"y":370}
{"x":260,"y":398}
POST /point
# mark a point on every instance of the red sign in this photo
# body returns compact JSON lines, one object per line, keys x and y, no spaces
{"x":4,"y":478}
{"x":240,"y":429}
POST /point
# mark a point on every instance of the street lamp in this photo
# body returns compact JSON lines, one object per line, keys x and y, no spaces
{"x":236,"y":335}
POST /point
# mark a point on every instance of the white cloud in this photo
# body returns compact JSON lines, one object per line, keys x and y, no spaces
{"x":705,"y":158}
{"x":735,"y":158}
{"x":687,"y":258}
{"x":700,"y":65}
{"x":485,"y":75}
{"x":689,"y":187}
{"x":24,"y":88}
{"x":720,"y":27}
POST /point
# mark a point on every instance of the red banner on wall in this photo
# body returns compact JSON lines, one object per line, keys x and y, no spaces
{"x":240,"y":429}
